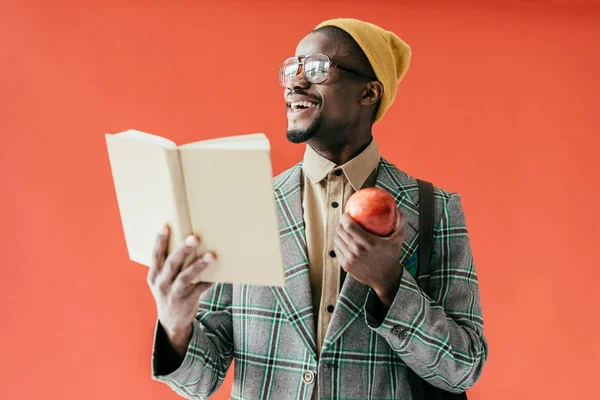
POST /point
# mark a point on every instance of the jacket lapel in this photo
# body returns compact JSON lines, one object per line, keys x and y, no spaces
{"x":406,"y":193}
{"x":349,"y":306}
{"x":353,"y":294}
{"x":295,"y":298}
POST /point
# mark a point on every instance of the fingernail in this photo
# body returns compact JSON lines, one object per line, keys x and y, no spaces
{"x":208,"y":257}
{"x":191,"y":241}
{"x":164,"y":230}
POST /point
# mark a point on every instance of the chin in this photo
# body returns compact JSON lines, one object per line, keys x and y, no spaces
{"x":299,"y":135}
{"x":302,"y":135}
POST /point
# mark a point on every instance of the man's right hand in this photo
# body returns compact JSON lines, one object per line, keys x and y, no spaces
{"x":174,"y":290}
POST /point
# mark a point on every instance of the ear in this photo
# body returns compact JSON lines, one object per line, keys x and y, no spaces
{"x":372,"y":93}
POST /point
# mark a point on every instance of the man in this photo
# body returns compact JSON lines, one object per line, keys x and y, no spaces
{"x":351,"y":320}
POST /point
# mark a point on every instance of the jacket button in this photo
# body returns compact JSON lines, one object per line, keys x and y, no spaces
{"x":308,"y":377}
{"x":397,"y":330}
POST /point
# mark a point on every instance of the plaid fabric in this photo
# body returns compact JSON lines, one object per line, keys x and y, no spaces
{"x":270,"y":332}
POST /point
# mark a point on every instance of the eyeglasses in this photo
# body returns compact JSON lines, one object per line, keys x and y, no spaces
{"x":315,"y":68}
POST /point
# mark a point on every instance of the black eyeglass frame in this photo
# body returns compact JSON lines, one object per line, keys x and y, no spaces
{"x":302,"y":59}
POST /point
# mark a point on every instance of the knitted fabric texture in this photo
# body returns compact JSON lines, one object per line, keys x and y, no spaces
{"x":388,"y":54}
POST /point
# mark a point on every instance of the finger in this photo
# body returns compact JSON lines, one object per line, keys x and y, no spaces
{"x":159,"y":253}
{"x":197,"y":289}
{"x":351,"y":244}
{"x":175,"y":261}
{"x":341,"y":250}
{"x":358,"y":233}
{"x":189,"y":275}
{"x":187,"y":285}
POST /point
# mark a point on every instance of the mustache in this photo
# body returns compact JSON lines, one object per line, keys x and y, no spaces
{"x":302,"y":92}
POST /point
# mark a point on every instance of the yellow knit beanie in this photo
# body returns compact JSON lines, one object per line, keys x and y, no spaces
{"x":388,"y":54}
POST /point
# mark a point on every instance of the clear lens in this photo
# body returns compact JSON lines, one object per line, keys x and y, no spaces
{"x":288,"y":70}
{"x":316,"y":68}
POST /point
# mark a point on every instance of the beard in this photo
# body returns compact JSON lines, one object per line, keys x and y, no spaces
{"x":304,"y":135}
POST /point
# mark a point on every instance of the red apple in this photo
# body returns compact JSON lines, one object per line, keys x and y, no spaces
{"x":374,"y":209}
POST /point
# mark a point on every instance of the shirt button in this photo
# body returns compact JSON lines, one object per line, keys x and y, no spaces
{"x":332,"y":253}
{"x":330,"y":308}
{"x":334,"y":204}
{"x":338,"y":172}
{"x":308,"y":377}
{"x":403,"y":335}
{"x":397,"y":330}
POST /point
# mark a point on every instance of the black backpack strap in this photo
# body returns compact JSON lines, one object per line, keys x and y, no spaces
{"x":425,"y":232}
{"x":421,"y":390}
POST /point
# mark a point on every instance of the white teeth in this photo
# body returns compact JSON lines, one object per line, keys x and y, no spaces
{"x":296,"y":105}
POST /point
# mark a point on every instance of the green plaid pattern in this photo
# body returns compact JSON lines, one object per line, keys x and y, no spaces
{"x":270,"y":332}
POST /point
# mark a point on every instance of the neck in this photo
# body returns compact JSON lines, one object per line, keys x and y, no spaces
{"x":341,"y":153}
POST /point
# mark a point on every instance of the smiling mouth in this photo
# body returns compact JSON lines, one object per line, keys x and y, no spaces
{"x":300,"y":105}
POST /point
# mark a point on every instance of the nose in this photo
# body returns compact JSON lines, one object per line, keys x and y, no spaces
{"x":299,"y":81}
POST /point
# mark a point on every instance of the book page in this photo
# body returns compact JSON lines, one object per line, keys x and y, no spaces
{"x":148,"y":138}
{"x":150,"y":192}
{"x":255,"y":141}
{"x":232,"y":209}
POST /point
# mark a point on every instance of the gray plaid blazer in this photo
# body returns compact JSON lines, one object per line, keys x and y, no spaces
{"x":270,"y":332}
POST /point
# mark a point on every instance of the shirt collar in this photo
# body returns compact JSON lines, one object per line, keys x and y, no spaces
{"x":356,"y":170}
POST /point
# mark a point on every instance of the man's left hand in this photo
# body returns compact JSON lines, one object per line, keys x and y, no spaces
{"x":372,"y":260}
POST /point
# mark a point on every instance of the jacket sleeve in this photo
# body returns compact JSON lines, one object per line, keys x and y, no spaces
{"x":209,"y":355}
{"x":439,"y":337}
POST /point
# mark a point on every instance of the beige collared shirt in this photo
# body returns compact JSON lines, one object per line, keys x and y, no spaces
{"x":326,"y":188}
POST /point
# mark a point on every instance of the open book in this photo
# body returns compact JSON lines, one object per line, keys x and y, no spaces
{"x":219,"y":189}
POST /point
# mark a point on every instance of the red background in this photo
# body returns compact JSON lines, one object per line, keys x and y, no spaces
{"x":500,"y":104}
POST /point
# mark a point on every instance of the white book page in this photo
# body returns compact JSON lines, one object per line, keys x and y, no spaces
{"x":232,"y":209}
{"x":148,"y":138}
{"x":254,"y":141}
{"x":150,"y":193}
